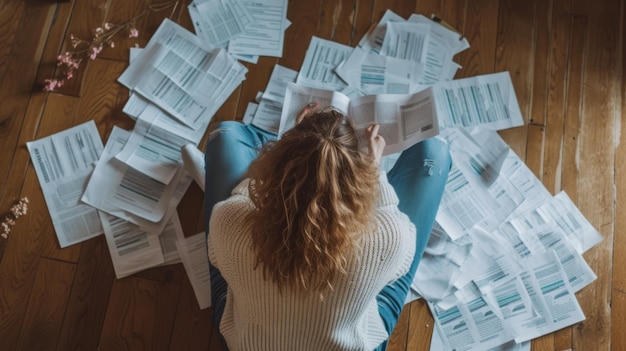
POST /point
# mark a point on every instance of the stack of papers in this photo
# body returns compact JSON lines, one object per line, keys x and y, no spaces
{"x":504,"y":260}
{"x":247,"y":29}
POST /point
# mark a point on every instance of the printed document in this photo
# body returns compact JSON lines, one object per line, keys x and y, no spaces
{"x":320,"y":61}
{"x":129,"y":190}
{"x":553,"y":299}
{"x":486,"y":100}
{"x":443,"y":44}
{"x":220,"y":20}
{"x":183,"y":76}
{"x":266,"y":35}
{"x":63,"y":163}
{"x":376,"y":74}
{"x":372,"y":41}
{"x":437,"y":344}
{"x":404,"y":119}
{"x":406,"y":40}
{"x":155,"y":143}
{"x":193,"y":253}
{"x":270,"y":107}
{"x":133,"y":249}
{"x":522,"y":253}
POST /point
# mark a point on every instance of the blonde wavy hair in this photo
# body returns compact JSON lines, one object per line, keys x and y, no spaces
{"x":314,"y":192}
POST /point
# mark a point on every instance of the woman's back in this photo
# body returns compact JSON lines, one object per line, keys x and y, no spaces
{"x":263,"y":315}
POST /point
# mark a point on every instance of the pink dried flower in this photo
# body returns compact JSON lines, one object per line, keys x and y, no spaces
{"x":94,"y":51}
{"x":52,"y":84}
{"x":102,"y":36}
{"x":18,"y":210}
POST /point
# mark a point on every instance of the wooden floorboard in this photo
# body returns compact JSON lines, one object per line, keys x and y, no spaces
{"x":567,"y":62}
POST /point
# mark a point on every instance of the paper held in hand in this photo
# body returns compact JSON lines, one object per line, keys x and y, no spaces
{"x":405,"y":119}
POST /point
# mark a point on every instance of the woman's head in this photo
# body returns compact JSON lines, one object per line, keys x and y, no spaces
{"x":314,"y":192}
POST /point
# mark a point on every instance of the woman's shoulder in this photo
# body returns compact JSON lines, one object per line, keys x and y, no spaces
{"x":394,"y":229}
{"x":236,"y":206}
{"x":392,"y":220}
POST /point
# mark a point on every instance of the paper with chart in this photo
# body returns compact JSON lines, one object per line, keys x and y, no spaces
{"x":130,"y":191}
{"x":133,"y":249}
{"x":472,"y":320}
{"x":63,"y":163}
{"x":443,"y":44}
{"x":404,"y":119}
{"x":372,"y":73}
{"x":270,"y":106}
{"x":523,"y":253}
{"x":193,"y":253}
{"x":220,"y":20}
{"x":372,"y":41}
{"x":437,"y":344}
{"x":265,"y":36}
{"x":552,"y":297}
{"x":154,"y":145}
{"x":406,"y":41}
{"x":425,"y":43}
{"x":486,"y":100}
{"x":183,"y":76}
{"x":321,"y":58}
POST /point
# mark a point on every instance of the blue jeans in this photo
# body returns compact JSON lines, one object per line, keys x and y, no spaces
{"x":418,"y":177}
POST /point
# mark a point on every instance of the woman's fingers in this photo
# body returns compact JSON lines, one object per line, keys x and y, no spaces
{"x":376,"y":143}
{"x":307,"y":110}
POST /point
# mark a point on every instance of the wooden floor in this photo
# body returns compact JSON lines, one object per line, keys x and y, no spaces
{"x":566,"y":58}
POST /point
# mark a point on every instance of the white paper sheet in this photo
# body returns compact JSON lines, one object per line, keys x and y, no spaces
{"x":375,"y":74}
{"x":437,"y":344}
{"x":63,"y":163}
{"x":553,"y":299}
{"x":486,"y":100}
{"x":193,"y":253}
{"x":268,"y":112}
{"x":129,"y":190}
{"x":218,"y":21}
{"x":154,"y":145}
{"x":404,"y":119}
{"x":406,"y":40}
{"x":320,"y":61}
{"x":264,"y":37}
{"x":183,"y":76}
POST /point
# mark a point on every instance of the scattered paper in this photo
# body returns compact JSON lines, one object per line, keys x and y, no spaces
{"x":265,"y":36}
{"x":63,"y":163}
{"x":193,"y":253}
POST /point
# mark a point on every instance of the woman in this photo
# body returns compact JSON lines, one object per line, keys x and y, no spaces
{"x":314,"y":250}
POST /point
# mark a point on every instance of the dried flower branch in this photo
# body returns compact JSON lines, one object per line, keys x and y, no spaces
{"x":17,"y":211}
{"x":102,"y":38}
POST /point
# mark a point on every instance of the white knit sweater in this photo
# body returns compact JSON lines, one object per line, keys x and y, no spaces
{"x":258,"y":317}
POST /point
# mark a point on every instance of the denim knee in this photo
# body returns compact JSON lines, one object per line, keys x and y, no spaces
{"x":436,"y":152}
{"x":224,"y":136}
{"x":429,"y":157}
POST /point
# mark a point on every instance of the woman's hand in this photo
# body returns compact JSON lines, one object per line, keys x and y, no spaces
{"x":375,"y":143}
{"x":307,"y":110}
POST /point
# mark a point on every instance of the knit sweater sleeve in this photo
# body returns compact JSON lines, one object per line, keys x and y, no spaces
{"x":387,"y":195}
{"x":226,"y":215}
{"x":397,"y":229}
